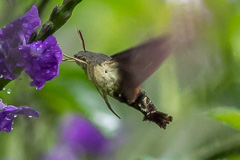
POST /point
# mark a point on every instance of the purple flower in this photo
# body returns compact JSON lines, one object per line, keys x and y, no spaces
{"x":8,"y":113}
{"x":40,"y":60}
{"x":11,"y":37}
{"x":83,"y":137}
{"x":79,"y":139}
{"x":43,"y":59}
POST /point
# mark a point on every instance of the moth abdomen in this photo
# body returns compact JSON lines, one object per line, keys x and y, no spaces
{"x":144,"y":104}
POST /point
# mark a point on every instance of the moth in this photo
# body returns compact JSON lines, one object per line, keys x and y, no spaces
{"x":121,"y":75}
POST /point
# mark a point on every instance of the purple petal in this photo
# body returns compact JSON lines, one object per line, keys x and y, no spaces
{"x":11,"y":36}
{"x":2,"y":105}
{"x":19,"y":30}
{"x":43,"y":61}
{"x":10,"y":109}
{"x":6,"y":121}
{"x":27,"y":111}
{"x":9,"y":112}
{"x":31,"y":22}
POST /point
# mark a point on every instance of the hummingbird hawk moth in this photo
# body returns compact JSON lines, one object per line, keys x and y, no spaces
{"x":121,"y":75}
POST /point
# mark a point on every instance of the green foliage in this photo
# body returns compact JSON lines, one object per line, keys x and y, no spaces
{"x":229,"y":116}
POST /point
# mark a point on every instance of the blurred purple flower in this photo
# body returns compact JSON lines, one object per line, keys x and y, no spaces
{"x":11,"y":37}
{"x":8,"y":113}
{"x":43,"y":59}
{"x":79,"y":138}
{"x":83,"y":137}
{"x":40,"y":60}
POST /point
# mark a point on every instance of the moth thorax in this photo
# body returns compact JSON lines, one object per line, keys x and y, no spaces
{"x":106,"y":76}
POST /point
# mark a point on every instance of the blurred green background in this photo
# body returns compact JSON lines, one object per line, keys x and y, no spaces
{"x":199,"y":84}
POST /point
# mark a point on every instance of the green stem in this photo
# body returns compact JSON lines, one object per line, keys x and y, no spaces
{"x":58,"y":18}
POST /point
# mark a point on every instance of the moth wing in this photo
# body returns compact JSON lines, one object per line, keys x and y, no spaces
{"x":135,"y":65}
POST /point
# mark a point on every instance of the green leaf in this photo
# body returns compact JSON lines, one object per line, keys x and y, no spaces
{"x":229,"y":116}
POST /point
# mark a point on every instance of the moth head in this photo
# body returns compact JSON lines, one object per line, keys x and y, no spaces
{"x":83,"y":57}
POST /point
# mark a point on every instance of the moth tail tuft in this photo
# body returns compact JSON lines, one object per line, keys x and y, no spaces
{"x":161,"y":119}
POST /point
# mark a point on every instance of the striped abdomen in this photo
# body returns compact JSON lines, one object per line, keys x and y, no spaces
{"x":145,"y":105}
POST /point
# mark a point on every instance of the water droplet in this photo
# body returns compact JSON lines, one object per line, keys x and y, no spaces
{"x":30,"y":116}
{"x":1,"y":76}
{"x":11,"y":128}
{"x":9,"y":91}
{"x":15,"y":116}
{"x":4,"y":89}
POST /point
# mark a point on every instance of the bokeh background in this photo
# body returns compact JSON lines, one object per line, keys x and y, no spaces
{"x":199,"y":85}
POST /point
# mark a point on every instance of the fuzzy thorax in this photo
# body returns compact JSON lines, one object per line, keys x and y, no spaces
{"x":106,"y":77}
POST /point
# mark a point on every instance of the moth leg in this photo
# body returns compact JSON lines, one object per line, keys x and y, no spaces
{"x":108,"y":104}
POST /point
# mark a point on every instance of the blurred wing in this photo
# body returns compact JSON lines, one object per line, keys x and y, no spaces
{"x":137,"y":64}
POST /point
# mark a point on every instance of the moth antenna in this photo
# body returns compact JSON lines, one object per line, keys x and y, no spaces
{"x":81,"y":37}
{"x":69,"y":58}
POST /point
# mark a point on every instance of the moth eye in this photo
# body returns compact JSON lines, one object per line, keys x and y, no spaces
{"x":106,"y":71}
{"x":82,"y":58}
